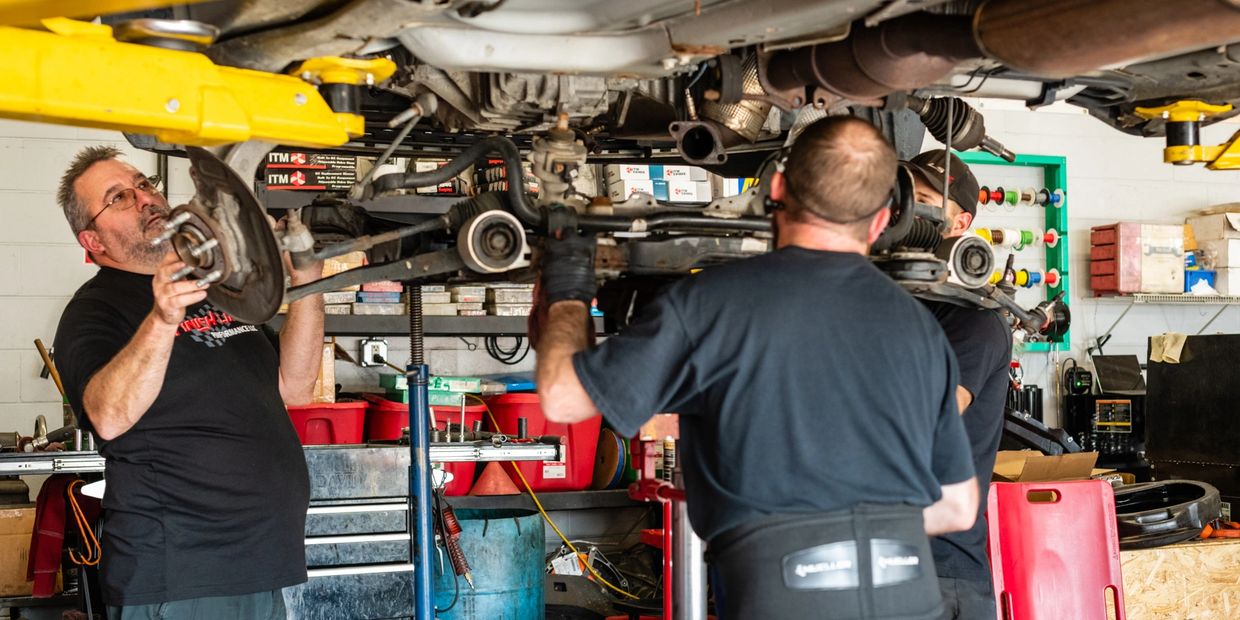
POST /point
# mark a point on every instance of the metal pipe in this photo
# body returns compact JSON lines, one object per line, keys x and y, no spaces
{"x":1062,"y":38}
{"x":688,"y":563}
{"x":616,"y":223}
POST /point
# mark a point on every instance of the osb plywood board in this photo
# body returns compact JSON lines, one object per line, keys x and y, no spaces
{"x":1196,"y":580}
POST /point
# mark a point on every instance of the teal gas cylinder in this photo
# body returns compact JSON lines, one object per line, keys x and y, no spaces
{"x":505,"y":552}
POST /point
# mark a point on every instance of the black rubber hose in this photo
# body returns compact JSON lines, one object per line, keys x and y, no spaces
{"x":506,"y":149}
{"x":615,"y":223}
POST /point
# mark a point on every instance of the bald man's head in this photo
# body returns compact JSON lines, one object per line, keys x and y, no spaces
{"x":841,"y":169}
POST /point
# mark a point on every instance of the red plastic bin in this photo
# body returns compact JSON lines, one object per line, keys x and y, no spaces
{"x":329,"y":423}
{"x":580,"y":441}
{"x":386,"y":419}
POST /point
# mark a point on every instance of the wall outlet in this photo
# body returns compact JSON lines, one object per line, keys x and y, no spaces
{"x":374,"y":352}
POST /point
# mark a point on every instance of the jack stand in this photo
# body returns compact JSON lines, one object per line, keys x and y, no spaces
{"x":684,"y":567}
{"x":422,"y":537}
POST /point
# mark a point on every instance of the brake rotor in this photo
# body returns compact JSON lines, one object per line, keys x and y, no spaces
{"x":225,"y":229}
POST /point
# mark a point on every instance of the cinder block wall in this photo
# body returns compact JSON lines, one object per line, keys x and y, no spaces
{"x":41,"y":264}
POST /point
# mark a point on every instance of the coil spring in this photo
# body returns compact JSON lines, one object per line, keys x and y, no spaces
{"x":452,"y":540}
{"x":417,"y":354}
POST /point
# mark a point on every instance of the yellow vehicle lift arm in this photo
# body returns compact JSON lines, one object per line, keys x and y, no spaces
{"x":78,"y":74}
{"x":1183,"y":119}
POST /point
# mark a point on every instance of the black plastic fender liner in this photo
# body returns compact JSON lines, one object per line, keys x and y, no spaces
{"x":1161,"y":513}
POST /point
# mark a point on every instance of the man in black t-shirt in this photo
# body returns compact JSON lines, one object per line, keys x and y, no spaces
{"x":982,"y":342}
{"x":816,"y":397}
{"x":207,"y":488}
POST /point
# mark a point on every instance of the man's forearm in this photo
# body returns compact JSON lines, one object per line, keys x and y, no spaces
{"x":124,"y":389}
{"x":563,"y":335}
{"x":955,"y":511}
{"x":301,"y":342}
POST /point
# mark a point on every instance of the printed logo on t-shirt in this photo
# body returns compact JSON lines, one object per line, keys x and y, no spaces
{"x":212,"y":327}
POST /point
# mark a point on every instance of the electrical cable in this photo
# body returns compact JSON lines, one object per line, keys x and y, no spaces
{"x":93,"y":552}
{"x":508,"y":357}
{"x":547,"y":517}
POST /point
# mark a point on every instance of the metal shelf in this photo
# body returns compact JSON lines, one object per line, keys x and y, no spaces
{"x":372,"y":325}
{"x":562,"y":500}
{"x":1167,"y":298}
{"x":281,"y":200}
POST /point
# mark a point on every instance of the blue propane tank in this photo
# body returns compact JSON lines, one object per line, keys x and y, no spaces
{"x":505,"y":552}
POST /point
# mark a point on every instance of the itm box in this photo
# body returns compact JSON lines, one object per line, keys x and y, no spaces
{"x":626,"y":172}
{"x":688,"y":191}
{"x":677,"y":173}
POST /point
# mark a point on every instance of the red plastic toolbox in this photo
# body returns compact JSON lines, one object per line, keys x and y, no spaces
{"x":1102,"y":267}
{"x":580,"y":440}
{"x":329,"y":423}
{"x":387,"y":419}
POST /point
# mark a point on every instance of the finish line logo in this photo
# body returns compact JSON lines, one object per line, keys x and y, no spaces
{"x":211,"y":327}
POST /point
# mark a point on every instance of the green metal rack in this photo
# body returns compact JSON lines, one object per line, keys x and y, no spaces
{"x":1054,"y":176}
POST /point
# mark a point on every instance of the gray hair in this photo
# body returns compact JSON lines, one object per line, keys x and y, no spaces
{"x":66,"y":196}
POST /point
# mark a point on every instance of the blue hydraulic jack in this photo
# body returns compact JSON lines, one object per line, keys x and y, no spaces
{"x":422,"y":535}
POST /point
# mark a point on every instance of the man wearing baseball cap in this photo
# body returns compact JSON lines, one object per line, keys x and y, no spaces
{"x":982,"y":342}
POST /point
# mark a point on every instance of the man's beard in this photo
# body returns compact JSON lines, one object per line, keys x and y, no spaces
{"x":136,"y":248}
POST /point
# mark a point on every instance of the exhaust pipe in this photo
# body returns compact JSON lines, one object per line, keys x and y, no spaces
{"x":1052,"y":39}
{"x":705,"y":142}
{"x":901,"y":54}
{"x":1062,"y":38}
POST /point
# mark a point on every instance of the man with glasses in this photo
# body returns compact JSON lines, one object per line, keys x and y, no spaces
{"x":204,"y":514}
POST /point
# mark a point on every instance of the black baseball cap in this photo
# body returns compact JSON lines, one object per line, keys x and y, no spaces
{"x":964,"y":188}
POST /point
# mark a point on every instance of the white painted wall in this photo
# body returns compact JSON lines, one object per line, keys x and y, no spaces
{"x":1112,"y":177}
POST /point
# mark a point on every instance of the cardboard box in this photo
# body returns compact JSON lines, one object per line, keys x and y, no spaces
{"x":1215,"y":226}
{"x":620,"y":191}
{"x":16,"y":525}
{"x":382,"y":309}
{"x":1225,"y":252}
{"x":688,"y":191}
{"x":1227,"y":281}
{"x":626,"y":172}
{"x":1030,"y":466}
{"x":325,"y":383}
{"x":300,"y":170}
{"x":677,"y":173}
{"x":451,"y":187}
{"x":338,"y":264}
{"x":472,"y":385}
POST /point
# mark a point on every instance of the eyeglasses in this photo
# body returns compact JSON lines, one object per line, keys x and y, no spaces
{"x":128,"y":197}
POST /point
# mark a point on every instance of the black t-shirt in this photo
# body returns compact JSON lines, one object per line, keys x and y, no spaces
{"x":207,"y":492}
{"x":982,"y":342}
{"x":805,"y":381}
